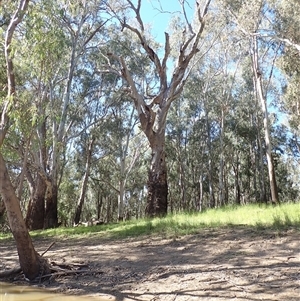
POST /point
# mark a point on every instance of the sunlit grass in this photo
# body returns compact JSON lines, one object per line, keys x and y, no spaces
{"x":253,"y":216}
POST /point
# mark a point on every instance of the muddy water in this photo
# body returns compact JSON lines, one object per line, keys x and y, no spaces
{"x":22,"y":293}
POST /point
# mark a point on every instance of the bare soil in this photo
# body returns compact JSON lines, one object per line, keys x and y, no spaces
{"x":226,"y":264}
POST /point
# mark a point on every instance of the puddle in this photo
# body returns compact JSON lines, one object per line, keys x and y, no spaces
{"x":10,"y":292}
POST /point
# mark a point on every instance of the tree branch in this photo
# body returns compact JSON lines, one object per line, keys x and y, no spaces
{"x":185,"y":16}
{"x":137,"y":13}
{"x":15,"y":20}
{"x":178,"y":82}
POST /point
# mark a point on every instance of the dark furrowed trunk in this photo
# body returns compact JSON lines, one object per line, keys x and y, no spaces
{"x":157,"y":201}
{"x":36,"y":209}
{"x":51,"y":220}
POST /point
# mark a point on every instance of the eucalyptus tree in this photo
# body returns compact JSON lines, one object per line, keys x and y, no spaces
{"x":227,"y":111}
{"x":123,"y":148}
{"x":286,"y":29}
{"x":31,"y":262}
{"x":125,"y":151}
{"x":61,"y":36}
{"x":123,"y":129}
{"x":250,"y":29}
{"x":152,"y":105}
{"x":82,"y":22}
{"x":178,"y":128}
{"x":85,"y":178}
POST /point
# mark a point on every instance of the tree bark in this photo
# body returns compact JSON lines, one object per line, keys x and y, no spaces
{"x":221,"y":171}
{"x":36,"y":209}
{"x":237,"y":188}
{"x":2,"y":208}
{"x":29,"y":259}
{"x":51,"y":219}
{"x":259,"y":90}
{"x":84,"y":182}
{"x":35,"y":217}
{"x":157,"y":200}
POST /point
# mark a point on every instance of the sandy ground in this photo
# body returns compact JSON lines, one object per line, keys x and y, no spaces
{"x":227,"y":264}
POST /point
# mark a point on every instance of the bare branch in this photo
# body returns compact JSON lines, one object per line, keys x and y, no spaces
{"x":160,"y":67}
{"x":182,"y":2}
{"x":203,"y":13}
{"x":163,"y":73}
{"x":290,"y":43}
{"x":137,"y":13}
{"x":151,"y":53}
{"x":201,"y":16}
{"x":179,"y":75}
{"x":94,"y":32}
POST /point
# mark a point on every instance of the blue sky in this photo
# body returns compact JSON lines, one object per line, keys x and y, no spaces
{"x":159,"y":14}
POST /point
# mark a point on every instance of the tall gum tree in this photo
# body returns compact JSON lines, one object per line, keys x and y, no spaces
{"x":31,"y":263}
{"x":83,"y":22}
{"x":153,"y":109}
{"x":251,"y":29}
{"x":61,"y":36}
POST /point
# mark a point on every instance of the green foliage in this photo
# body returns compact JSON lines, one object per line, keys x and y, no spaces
{"x":101,"y":105}
{"x":286,"y":26}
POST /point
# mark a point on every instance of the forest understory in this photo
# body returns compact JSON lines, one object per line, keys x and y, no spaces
{"x":223,"y":264}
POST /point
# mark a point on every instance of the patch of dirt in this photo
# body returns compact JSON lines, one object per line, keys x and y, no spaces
{"x":227,"y":264}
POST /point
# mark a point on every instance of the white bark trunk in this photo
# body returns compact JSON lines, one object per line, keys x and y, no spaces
{"x":260,"y":94}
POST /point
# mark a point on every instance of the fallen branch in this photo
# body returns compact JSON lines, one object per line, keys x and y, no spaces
{"x":66,"y":273}
{"x":48,"y":249}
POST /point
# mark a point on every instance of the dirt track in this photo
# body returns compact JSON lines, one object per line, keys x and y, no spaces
{"x":228,"y":264}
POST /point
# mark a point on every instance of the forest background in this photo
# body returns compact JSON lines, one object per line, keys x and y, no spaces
{"x":76,"y":147}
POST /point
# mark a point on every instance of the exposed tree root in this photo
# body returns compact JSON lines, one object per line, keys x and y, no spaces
{"x":49,"y":270}
{"x":10,"y":273}
{"x":45,"y":268}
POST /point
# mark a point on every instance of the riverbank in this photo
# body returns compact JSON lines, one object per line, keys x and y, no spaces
{"x":217,"y":264}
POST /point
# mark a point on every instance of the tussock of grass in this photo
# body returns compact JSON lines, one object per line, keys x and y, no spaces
{"x":255,"y":216}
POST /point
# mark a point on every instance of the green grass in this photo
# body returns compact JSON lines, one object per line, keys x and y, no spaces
{"x":253,"y":216}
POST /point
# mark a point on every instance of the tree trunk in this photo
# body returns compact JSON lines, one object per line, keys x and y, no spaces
{"x":99,"y":205}
{"x":2,"y":208}
{"x":84,"y":182}
{"x":157,"y":201}
{"x":237,"y":189}
{"x":183,"y":201}
{"x":30,"y":262}
{"x":153,"y":114}
{"x":51,"y":220}
{"x":36,"y":209}
{"x":121,"y":199}
{"x":221,"y":171}
{"x":108,"y":209}
{"x":212,"y":201}
{"x":259,"y":90}
{"x":200,"y":193}
{"x":261,"y":171}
